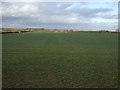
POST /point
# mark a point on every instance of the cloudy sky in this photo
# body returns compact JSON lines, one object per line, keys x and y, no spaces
{"x":60,"y":15}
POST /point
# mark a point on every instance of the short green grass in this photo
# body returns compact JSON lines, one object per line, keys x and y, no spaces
{"x":60,"y":60}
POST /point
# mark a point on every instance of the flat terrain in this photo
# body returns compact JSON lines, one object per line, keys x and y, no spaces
{"x":62,"y":60}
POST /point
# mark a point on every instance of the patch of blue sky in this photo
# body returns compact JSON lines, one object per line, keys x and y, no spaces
{"x":104,"y":20}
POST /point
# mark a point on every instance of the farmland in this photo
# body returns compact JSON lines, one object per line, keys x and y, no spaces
{"x":60,"y":60}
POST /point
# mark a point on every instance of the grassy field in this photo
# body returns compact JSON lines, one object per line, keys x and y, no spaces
{"x":60,"y":60}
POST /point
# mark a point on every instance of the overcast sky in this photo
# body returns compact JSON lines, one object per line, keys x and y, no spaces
{"x":61,"y":15}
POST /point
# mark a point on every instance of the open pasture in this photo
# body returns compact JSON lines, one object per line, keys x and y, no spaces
{"x":60,"y":60}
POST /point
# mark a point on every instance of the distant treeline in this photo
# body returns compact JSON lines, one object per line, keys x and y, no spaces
{"x":17,"y":30}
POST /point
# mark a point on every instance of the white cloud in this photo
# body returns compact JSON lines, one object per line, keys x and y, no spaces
{"x":60,"y":0}
{"x":57,"y":14}
{"x":1,"y":11}
{"x":18,"y":10}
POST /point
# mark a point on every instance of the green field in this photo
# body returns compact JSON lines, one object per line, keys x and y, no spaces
{"x":60,"y":60}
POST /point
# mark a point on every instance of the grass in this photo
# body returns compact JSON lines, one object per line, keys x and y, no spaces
{"x":60,"y":60}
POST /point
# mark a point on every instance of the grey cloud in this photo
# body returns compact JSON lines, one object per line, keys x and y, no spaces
{"x":53,"y":15}
{"x":53,"y":9}
{"x":107,"y":16}
{"x":89,"y":13}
